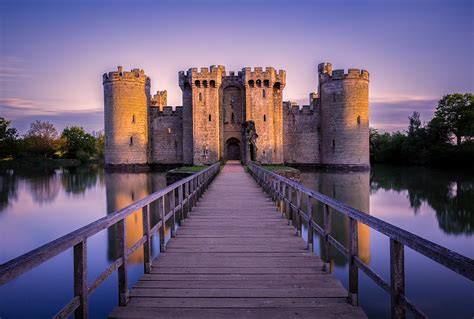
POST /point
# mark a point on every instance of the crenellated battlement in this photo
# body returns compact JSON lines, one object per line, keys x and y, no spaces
{"x":295,"y":109}
{"x":203,"y":77}
{"x":135,"y":75}
{"x":167,"y":111}
{"x":159,"y":100}
{"x":326,"y":73}
{"x":269,"y":78}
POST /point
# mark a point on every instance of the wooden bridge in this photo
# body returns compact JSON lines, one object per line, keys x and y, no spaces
{"x":235,"y":256}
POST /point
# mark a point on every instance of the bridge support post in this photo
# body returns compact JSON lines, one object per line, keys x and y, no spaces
{"x":80,"y":279}
{"x":172,"y":199}
{"x":353,"y":270}
{"x":181,"y":205}
{"x":122,"y":271}
{"x":298,"y":213}
{"x":290,"y":208}
{"x":161,"y":207}
{"x":309,"y":211}
{"x":147,"y":244}
{"x":326,"y":244}
{"x":397,"y":278}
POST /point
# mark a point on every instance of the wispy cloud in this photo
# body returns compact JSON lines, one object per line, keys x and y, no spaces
{"x":12,"y":69}
{"x":391,"y":113}
{"x":22,"y":112}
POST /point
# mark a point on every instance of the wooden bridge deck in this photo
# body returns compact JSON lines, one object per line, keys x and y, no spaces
{"x":235,"y":257}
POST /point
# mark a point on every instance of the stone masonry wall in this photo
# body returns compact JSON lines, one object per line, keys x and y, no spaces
{"x":344,"y":99}
{"x":263,"y":100}
{"x":301,"y":134}
{"x":126,"y":96}
{"x":166,"y":135}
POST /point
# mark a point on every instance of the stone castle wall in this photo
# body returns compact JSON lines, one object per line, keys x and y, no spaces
{"x":166,"y":135}
{"x":126,"y":97}
{"x":333,"y":130}
{"x":344,"y":100}
{"x":301,"y":134}
{"x":263,"y":100}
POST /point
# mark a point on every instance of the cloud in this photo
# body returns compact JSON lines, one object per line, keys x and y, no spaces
{"x":12,"y":69}
{"x":391,"y":113}
{"x":22,"y":112}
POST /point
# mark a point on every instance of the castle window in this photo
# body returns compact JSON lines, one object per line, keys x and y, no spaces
{"x":263,"y":93}
{"x":204,"y":83}
{"x":175,"y":144}
{"x":358,"y":120}
{"x":133,"y":196}
{"x":131,"y":140}
{"x":200,"y":96}
{"x":266,"y":83}
{"x":209,"y":117}
{"x":277,"y":85}
{"x":232,"y":117}
{"x":120,"y":74}
{"x":169,"y":130}
{"x":264,"y":118}
{"x":251,"y":83}
{"x":212,"y":83}
{"x":259,"y":83}
{"x":197,"y":83}
{"x":133,"y":118}
{"x":333,"y":145}
{"x":334,"y":97}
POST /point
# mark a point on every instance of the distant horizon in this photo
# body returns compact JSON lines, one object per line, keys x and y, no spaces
{"x":53,"y":54}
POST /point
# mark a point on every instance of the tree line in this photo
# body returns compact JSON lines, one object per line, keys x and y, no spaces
{"x":447,"y":139}
{"x":42,"y":141}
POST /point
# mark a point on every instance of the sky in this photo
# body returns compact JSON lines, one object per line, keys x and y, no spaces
{"x":53,"y":52}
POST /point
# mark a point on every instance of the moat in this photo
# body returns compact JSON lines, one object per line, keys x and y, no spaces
{"x":36,"y":208}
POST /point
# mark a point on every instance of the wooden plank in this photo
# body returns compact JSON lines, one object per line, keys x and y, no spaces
{"x":230,"y":313}
{"x":237,"y":302}
{"x":319,"y":282}
{"x":291,"y":277}
{"x":242,"y":293}
{"x":235,"y":270}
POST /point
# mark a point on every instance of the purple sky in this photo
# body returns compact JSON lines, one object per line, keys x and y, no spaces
{"x":53,"y":53}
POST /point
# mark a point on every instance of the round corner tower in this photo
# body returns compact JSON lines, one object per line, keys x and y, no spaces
{"x":344,"y":102}
{"x":126,"y":96}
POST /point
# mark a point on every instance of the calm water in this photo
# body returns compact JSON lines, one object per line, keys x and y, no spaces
{"x":36,"y":208}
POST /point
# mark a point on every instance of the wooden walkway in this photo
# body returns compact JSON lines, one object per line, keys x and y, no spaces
{"x":236,"y":257}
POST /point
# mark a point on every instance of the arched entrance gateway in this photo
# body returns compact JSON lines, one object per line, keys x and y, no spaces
{"x":232,"y":148}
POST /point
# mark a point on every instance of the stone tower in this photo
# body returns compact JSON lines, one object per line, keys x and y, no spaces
{"x":126,"y":97}
{"x":344,"y":108}
{"x":264,"y":106}
{"x":201,"y":114}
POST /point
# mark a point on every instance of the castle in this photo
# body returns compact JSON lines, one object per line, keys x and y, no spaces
{"x":237,"y":116}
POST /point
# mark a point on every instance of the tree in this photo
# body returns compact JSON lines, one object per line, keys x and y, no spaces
{"x":41,"y":139}
{"x":77,"y":143}
{"x":8,"y":138}
{"x":456,"y":113}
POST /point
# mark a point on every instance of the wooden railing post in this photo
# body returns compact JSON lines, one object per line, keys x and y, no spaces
{"x":326,"y":244}
{"x":353,"y":270}
{"x":180,"y":200}
{"x":80,"y":279}
{"x":298,"y":213}
{"x":186,"y":195}
{"x":147,"y":244}
{"x":122,"y":270}
{"x":162,"y":211}
{"x":173,"y":209}
{"x":285,"y":203}
{"x":397,"y":278}
{"x":309,"y":211}
{"x":290,"y":208}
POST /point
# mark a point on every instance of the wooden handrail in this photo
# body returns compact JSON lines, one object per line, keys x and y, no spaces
{"x":189,"y":188}
{"x":281,"y":188}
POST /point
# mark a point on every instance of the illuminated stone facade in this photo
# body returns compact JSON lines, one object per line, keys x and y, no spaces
{"x":332,"y":130}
